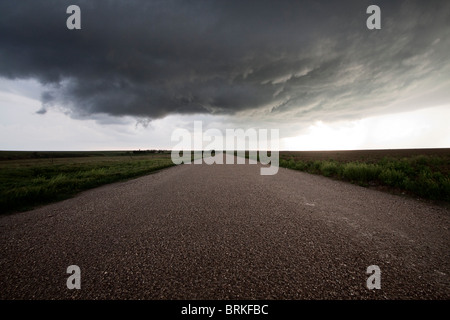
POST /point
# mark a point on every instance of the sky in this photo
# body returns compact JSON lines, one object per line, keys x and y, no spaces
{"x":137,"y":70}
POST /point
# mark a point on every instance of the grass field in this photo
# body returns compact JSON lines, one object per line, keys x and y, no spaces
{"x":30,"y":179}
{"x":419,"y":172}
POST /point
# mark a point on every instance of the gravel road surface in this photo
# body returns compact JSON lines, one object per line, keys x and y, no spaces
{"x":226,"y":232}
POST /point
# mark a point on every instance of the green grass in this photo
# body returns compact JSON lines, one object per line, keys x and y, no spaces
{"x":27,"y":182}
{"x":423,"y":176}
{"x":30,"y":179}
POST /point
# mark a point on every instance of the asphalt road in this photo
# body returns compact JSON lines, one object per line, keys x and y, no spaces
{"x":226,"y":232}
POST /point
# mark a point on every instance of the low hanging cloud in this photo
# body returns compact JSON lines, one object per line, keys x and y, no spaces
{"x":301,"y":60}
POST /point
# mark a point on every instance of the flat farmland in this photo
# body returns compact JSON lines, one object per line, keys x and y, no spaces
{"x":33,"y":178}
{"x":423,"y":173}
{"x":366,"y":155}
{"x":30,"y":179}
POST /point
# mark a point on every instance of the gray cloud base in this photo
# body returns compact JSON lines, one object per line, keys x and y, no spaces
{"x":286,"y":60}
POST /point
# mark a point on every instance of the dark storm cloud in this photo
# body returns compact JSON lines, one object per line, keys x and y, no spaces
{"x":281,"y":59}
